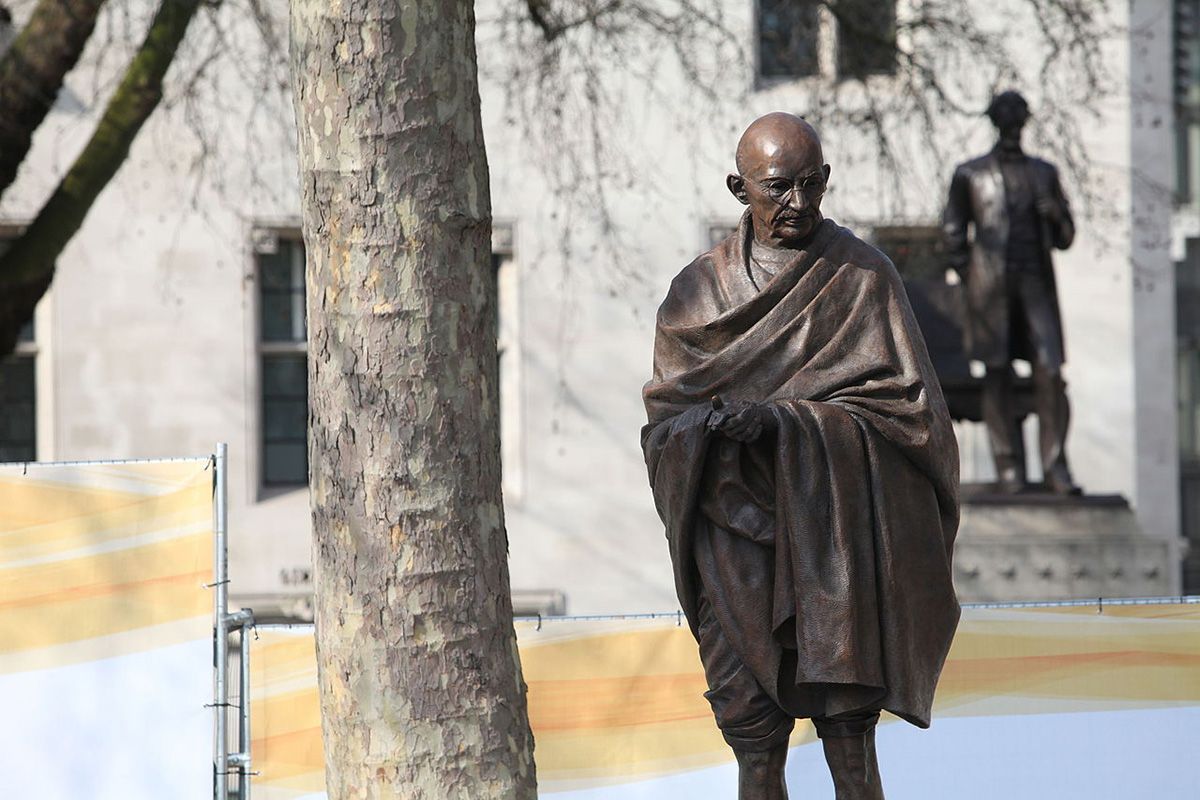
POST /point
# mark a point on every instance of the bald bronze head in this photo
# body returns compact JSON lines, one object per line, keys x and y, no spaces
{"x":781,"y":175}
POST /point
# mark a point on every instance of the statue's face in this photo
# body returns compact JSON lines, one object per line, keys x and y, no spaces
{"x":1009,"y":119}
{"x":783,"y":181}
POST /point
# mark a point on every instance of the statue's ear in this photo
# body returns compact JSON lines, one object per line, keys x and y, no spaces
{"x":825,"y":169}
{"x":737,"y":187}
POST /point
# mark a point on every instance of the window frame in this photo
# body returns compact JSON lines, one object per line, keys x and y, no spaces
{"x":762,"y":81}
{"x":714,"y":230}
{"x":27,"y":351}
{"x":510,"y":373}
{"x":828,"y":44}
{"x":926,"y":234}
{"x":265,"y":240}
{"x":1186,"y":101}
{"x":842,"y":72}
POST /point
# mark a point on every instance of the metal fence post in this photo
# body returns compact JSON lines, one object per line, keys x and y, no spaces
{"x":244,"y":726}
{"x":242,"y":621}
{"x":220,"y":631}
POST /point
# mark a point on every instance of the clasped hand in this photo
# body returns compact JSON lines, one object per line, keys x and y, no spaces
{"x":1048,"y":208}
{"x":740,"y":420}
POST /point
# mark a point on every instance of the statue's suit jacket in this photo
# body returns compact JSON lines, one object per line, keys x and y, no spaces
{"x":977,"y":199}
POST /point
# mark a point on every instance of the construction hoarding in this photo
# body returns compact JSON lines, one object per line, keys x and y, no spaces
{"x":106,"y":624}
{"x":1064,"y":702}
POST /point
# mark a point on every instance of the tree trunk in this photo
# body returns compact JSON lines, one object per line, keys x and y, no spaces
{"x":421,"y":691}
{"x":27,"y":267}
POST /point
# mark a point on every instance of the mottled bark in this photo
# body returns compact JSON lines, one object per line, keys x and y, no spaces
{"x":27,"y":267}
{"x":32,"y":72}
{"x":421,"y":691}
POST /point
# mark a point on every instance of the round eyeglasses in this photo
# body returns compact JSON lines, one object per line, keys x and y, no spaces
{"x":809,"y":187}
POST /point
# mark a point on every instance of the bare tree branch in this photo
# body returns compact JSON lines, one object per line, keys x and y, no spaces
{"x":567,"y":66}
{"x":27,"y":267}
{"x":32,"y":72}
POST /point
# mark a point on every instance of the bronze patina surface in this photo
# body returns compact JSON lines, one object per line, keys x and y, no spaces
{"x":1005,"y":213}
{"x":803,"y":462}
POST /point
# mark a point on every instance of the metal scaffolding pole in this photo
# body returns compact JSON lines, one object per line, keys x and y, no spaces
{"x":242,"y":621}
{"x":220,"y":629}
{"x":244,"y":701}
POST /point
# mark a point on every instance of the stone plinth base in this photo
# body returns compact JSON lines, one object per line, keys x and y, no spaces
{"x":1040,"y":546}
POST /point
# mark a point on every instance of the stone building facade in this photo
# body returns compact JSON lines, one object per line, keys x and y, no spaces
{"x":176,"y":317}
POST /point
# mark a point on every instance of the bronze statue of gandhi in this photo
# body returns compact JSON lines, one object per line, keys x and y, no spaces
{"x":803,"y":463}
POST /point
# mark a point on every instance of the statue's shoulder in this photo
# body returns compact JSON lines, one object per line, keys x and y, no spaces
{"x":1042,"y":165}
{"x":691,"y":286}
{"x":975,"y":166}
{"x":702,"y":269}
{"x":847,"y":249}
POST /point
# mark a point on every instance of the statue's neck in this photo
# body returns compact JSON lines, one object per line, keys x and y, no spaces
{"x":1010,"y":147}
{"x":770,"y":257}
{"x":761,"y":242}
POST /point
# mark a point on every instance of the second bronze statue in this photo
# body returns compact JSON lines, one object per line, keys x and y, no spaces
{"x":1005,"y":213}
{"x":803,"y":462}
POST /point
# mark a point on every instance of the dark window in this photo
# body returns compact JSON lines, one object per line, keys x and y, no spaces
{"x":18,"y":395}
{"x":285,"y":419}
{"x":1186,"y":59}
{"x":916,"y":250}
{"x":866,"y":37}
{"x":787,"y":38}
{"x":18,"y":404}
{"x":283,"y":359}
{"x":283,"y":363}
{"x":1187,"y":320}
{"x":717,"y":232}
{"x":281,"y":286}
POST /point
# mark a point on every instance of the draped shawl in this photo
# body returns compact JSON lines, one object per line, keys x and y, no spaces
{"x":833,"y":536}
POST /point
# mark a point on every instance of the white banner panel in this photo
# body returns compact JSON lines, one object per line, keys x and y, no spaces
{"x":1071,"y":703}
{"x":106,"y":630}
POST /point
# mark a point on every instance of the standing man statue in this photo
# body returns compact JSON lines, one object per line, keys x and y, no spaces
{"x":1018,"y":212}
{"x":803,"y":462}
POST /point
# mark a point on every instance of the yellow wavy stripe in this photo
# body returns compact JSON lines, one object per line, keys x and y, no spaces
{"x":292,"y":733}
{"x":633,"y":705}
{"x":62,"y":519}
{"x":64,"y":601}
{"x":641,"y":649}
{"x":1041,"y":661}
{"x":94,"y":535}
{"x":285,"y":712}
{"x":627,"y":705}
{"x":28,"y":502}
{"x":102,"y":560}
{"x":137,"y":640}
{"x":129,"y":477}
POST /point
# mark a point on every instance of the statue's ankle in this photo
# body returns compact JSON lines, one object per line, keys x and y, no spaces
{"x":853,"y":766}
{"x":761,"y":774}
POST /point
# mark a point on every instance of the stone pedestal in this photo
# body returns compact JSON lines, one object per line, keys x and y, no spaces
{"x":1041,"y":546}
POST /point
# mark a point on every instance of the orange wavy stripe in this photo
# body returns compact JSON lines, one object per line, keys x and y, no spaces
{"x":76,"y":593}
{"x":588,"y":703}
{"x":1000,"y":673}
{"x":631,"y":702}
